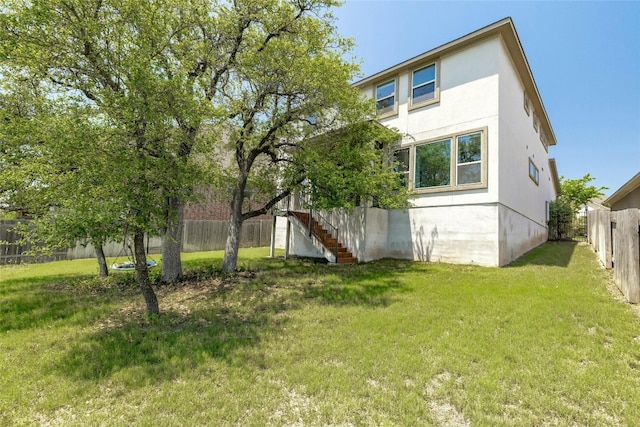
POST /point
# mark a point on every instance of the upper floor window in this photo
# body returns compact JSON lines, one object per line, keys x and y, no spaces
{"x":534,"y":174}
{"x":423,"y":85}
{"x":386,"y":97}
{"x":536,"y":123}
{"x":527,"y":108}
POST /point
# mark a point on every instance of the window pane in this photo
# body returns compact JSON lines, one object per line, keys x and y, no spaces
{"x":423,"y":93}
{"x":469,"y":148}
{"x":386,"y":105}
{"x":386,"y":89}
{"x":401,"y":157}
{"x":469,"y":173}
{"x":433,"y":164}
{"x":424,"y":75}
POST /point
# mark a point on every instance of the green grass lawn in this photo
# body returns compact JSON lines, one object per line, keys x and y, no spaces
{"x":541,"y":342}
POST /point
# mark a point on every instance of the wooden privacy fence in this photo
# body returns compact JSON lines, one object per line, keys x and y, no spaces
{"x":197,"y":236}
{"x":615,"y":236}
{"x":14,"y":252}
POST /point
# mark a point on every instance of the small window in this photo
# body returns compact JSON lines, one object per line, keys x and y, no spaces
{"x":469,"y":165}
{"x":433,"y":164}
{"x":527,"y":108}
{"x":534,"y":174}
{"x":536,"y":123}
{"x":386,"y":97}
{"x":401,"y":160}
{"x":423,"y":84}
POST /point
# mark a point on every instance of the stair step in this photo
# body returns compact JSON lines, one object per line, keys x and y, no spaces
{"x":343,"y":256}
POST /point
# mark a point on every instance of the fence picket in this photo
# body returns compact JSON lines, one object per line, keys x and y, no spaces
{"x":197,"y":236}
{"x":615,"y":236}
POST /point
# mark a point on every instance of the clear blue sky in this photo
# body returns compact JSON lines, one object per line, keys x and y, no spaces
{"x":585,"y":58}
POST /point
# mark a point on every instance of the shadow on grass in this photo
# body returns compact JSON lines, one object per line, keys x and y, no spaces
{"x":551,"y":254}
{"x":26,"y":303}
{"x":220,"y":317}
{"x":161,"y":350}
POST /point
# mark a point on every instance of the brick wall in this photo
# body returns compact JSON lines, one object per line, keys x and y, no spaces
{"x":211,"y":207}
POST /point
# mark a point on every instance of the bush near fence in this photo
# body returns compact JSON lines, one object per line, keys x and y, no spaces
{"x":615,"y":236}
{"x":197,"y":236}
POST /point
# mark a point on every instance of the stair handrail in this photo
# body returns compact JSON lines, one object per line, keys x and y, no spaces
{"x":321,"y":219}
{"x":326,"y":224}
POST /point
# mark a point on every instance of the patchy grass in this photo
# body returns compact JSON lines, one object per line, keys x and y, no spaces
{"x":541,"y":342}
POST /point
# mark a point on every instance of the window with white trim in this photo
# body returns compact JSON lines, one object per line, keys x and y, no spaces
{"x":534,"y":174}
{"x":386,"y":97}
{"x":423,"y":85}
{"x":536,"y":123}
{"x":527,"y":108}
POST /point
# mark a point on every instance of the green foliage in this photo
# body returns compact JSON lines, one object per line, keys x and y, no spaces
{"x":351,"y":167}
{"x":577,"y":192}
{"x":561,"y":218}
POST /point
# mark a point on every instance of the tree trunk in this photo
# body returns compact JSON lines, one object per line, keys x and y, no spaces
{"x":172,"y":242}
{"x":230,"y":261}
{"x":142,"y":273}
{"x":102,"y":261}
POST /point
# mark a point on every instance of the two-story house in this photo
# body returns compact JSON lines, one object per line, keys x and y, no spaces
{"x":475,"y":153}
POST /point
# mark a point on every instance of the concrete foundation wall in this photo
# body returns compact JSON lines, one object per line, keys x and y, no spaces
{"x":484,"y":234}
{"x":453,"y":234}
{"x":518,"y":235}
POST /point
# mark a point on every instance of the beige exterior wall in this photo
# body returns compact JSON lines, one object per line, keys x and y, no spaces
{"x":631,"y":200}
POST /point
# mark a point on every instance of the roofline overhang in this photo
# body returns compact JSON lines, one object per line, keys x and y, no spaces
{"x":555,"y":177}
{"x":623,"y":191}
{"x":504,"y":29}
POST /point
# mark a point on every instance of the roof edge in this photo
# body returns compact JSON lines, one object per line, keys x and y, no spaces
{"x":626,"y":188}
{"x":505,"y":28}
{"x":554,"y":176}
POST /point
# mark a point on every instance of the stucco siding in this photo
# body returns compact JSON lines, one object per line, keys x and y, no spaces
{"x":631,"y":200}
{"x":518,"y":235}
{"x":455,"y":234}
{"x":519,"y":142}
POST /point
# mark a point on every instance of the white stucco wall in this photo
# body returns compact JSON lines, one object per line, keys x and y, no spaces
{"x":518,"y":235}
{"x":456,"y":234}
{"x":364,"y":232}
{"x":479,"y":89}
{"x":523,"y":213}
{"x":469,"y":86}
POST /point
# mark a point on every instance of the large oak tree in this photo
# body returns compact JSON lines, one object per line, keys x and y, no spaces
{"x":133,"y":62}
